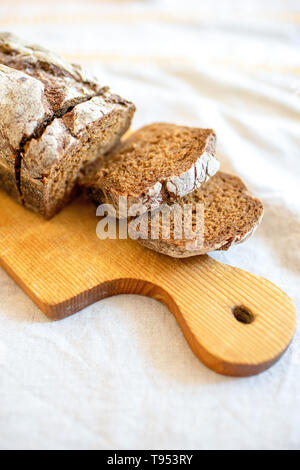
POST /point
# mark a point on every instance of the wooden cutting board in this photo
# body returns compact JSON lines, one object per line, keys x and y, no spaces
{"x":236,"y":323}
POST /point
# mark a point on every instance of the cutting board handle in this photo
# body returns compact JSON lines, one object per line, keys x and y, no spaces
{"x":236,"y":323}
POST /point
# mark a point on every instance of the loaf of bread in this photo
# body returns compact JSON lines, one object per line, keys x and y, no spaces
{"x":230,"y":216}
{"x":158,"y":163}
{"x":54,"y":120}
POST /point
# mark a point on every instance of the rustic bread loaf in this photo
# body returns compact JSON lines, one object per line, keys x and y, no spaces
{"x":231,"y":215}
{"x":52,"y":163}
{"x":157,"y":163}
{"x":54,"y":119}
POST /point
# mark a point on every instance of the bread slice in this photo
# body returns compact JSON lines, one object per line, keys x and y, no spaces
{"x":231,"y":215}
{"x":158,"y":163}
{"x":55,"y":118}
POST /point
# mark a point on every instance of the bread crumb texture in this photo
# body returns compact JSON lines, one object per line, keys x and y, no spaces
{"x":157,"y":163}
{"x":231,"y":214}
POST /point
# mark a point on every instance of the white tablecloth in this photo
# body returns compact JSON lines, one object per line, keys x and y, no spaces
{"x":120,"y":374}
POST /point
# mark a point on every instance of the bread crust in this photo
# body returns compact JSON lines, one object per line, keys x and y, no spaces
{"x":177,"y":251}
{"x":23,"y":110}
{"x":8,"y":181}
{"x":65,"y":84}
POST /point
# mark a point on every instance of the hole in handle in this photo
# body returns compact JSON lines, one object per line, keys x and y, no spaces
{"x":243,"y":314}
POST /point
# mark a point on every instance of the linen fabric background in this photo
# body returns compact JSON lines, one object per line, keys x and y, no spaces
{"x":120,"y":374}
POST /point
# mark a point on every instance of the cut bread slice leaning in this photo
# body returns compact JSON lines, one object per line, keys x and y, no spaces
{"x":158,"y":163}
{"x":230,"y":216}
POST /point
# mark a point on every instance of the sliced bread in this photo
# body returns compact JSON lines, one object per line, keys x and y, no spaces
{"x":158,"y":163}
{"x":231,"y":215}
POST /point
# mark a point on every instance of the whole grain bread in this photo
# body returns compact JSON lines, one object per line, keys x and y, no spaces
{"x":230,"y":213}
{"x":158,"y":163}
{"x":52,"y":163}
{"x":55,"y":118}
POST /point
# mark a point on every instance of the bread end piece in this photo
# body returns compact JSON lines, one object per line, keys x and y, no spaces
{"x":231,"y":215}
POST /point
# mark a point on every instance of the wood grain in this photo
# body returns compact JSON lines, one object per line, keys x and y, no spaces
{"x":63,"y":267}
